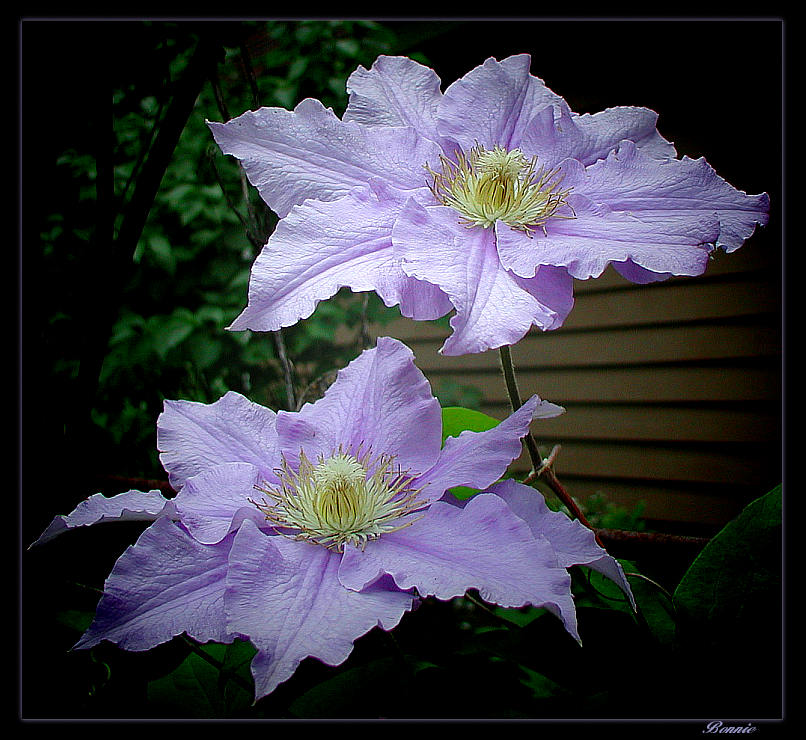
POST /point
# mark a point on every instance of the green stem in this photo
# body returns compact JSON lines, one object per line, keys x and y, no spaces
{"x":539,"y":470}
{"x":508,"y":368}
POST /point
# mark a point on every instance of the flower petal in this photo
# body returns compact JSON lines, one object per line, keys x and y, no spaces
{"x":321,"y":247}
{"x":631,"y":180}
{"x":478,"y":459}
{"x":216,"y":501}
{"x":165,"y":584}
{"x":380,"y":400}
{"x":663,"y":243}
{"x":493,"y":104}
{"x":573,"y":542}
{"x":290,"y":156}
{"x":555,"y":133}
{"x":493,"y":307}
{"x":286,"y":597}
{"x":132,"y":506}
{"x":482,"y":546}
{"x":395,"y":91}
{"x":194,"y":436}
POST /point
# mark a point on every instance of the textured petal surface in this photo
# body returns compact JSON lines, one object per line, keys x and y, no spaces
{"x":287,"y":598}
{"x":132,"y":506}
{"x":321,"y":247}
{"x":290,"y":156}
{"x":573,"y":542}
{"x":216,"y":501}
{"x":478,"y":459}
{"x":493,"y":307}
{"x":631,"y":180}
{"x":194,"y":436}
{"x":494,"y":103}
{"x":165,"y":584}
{"x":380,"y":400}
{"x":395,"y":91}
{"x":555,"y":134}
{"x":671,"y":243}
{"x":451,"y":550}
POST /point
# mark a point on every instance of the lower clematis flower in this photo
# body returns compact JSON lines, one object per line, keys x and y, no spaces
{"x":487,"y":199}
{"x":301,"y":531}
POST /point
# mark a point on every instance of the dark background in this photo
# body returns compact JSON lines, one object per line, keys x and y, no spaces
{"x":716,"y":84}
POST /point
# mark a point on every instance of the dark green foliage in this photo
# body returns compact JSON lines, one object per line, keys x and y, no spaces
{"x":186,"y":278}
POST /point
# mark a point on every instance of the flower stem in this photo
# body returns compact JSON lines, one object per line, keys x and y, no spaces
{"x":539,"y":468}
{"x":515,"y":402}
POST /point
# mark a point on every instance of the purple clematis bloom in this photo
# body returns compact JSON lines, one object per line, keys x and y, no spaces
{"x":301,"y":531}
{"x":487,"y":199}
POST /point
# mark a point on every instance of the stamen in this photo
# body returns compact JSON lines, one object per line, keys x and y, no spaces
{"x":345,"y":498}
{"x":489,"y":185}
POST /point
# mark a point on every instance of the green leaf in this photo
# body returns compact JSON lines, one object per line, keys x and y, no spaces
{"x":364,"y":691}
{"x":738,"y":572}
{"x":520,"y":616}
{"x":75,"y":619}
{"x":457,"y":419}
{"x":198,"y":689}
{"x":729,"y":614}
{"x":160,"y":250}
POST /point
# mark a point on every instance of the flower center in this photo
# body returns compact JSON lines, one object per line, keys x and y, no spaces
{"x":341,"y":499}
{"x":489,"y":185}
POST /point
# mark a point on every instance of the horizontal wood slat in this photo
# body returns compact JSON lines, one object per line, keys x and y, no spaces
{"x":631,"y":384}
{"x":654,"y":423}
{"x":634,"y":345}
{"x":686,"y":464}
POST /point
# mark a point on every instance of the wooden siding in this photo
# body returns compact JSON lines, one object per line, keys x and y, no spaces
{"x":672,"y":390}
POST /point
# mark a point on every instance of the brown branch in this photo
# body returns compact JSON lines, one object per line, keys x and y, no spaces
{"x":630,"y":545}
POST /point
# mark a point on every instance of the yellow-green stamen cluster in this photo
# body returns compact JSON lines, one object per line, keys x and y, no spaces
{"x":342,"y":499}
{"x":489,"y":185}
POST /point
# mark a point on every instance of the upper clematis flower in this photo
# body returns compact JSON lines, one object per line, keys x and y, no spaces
{"x":302,"y":531}
{"x":487,"y":199}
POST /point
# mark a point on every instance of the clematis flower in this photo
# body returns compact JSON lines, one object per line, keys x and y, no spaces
{"x":487,"y":199}
{"x":301,"y":531}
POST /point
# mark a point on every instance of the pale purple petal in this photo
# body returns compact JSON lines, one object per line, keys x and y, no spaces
{"x":478,"y":459}
{"x":573,"y":542}
{"x":482,"y":546}
{"x":555,"y":134}
{"x":492,"y":307}
{"x":194,"y":436}
{"x":132,"y":506}
{"x":637,"y":274}
{"x":553,"y":288}
{"x":165,"y":584}
{"x":675,"y":243}
{"x":631,"y":180}
{"x":320,"y":247}
{"x":290,"y":156}
{"x":493,"y":104}
{"x":382,"y":401}
{"x":216,"y":501}
{"x":395,"y":91}
{"x":286,"y":597}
